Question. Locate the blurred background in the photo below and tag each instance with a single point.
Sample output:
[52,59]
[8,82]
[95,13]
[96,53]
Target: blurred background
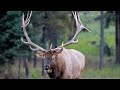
[101,46]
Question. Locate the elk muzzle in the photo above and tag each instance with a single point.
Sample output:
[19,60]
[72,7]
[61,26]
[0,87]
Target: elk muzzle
[47,68]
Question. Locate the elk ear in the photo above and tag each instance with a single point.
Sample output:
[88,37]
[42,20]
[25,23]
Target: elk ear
[39,54]
[58,50]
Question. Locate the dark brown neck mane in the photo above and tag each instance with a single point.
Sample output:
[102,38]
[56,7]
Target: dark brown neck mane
[57,69]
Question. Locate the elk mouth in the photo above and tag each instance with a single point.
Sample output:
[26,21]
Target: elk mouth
[49,71]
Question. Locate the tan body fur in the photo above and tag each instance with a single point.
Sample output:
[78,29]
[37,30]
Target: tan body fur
[71,63]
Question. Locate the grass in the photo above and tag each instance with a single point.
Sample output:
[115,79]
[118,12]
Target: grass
[36,73]
[108,72]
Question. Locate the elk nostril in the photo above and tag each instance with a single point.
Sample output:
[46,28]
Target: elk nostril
[46,67]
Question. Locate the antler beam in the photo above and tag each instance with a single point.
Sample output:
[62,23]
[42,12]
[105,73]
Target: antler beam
[29,42]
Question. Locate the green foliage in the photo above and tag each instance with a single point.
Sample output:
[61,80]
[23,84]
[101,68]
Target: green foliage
[10,34]
[56,22]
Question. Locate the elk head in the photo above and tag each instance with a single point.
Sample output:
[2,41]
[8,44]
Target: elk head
[50,56]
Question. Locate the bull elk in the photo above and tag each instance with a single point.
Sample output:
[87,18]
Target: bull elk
[60,63]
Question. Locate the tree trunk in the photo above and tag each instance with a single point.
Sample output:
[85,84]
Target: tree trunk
[53,37]
[117,37]
[43,41]
[101,40]
[26,69]
[2,73]
[19,74]
[10,71]
[35,61]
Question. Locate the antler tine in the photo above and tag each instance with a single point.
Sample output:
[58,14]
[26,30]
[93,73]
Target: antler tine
[27,16]
[79,20]
[75,16]
[50,46]
[33,49]
[78,17]
[27,21]
[24,29]
[29,42]
[25,42]
[58,48]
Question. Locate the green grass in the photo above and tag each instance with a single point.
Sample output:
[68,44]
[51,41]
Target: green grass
[108,72]
[36,73]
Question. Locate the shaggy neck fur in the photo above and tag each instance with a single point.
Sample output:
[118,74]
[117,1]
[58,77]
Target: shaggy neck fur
[58,68]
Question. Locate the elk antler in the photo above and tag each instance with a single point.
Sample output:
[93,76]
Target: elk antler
[79,28]
[29,42]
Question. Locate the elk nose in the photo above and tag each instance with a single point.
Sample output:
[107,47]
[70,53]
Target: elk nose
[46,67]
